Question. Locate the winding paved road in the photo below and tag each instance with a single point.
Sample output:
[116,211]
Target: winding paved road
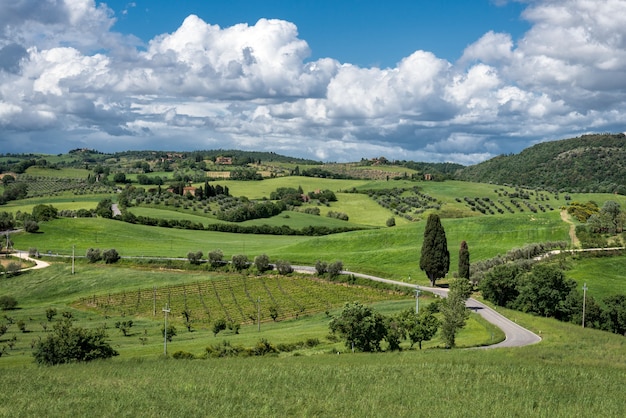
[516,335]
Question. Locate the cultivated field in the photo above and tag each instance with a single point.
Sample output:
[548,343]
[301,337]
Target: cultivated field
[572,372]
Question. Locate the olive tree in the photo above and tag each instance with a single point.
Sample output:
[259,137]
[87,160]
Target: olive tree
[362,327]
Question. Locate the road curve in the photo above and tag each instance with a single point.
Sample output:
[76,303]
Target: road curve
[516,335]
[39,264]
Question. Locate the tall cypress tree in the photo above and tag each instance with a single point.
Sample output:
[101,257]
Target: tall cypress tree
[435,259]
[464,261]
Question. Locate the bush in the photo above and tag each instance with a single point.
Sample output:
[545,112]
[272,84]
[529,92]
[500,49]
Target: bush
[110,256]
[70,344]
[262,263]
[93,255]
[219,325]
[391,222]
[334,269]
[8,303]
[194,258]
[240,262]
[31,226]
[283,267]
[171,332]
[183,355]
[216,258]
[321,267]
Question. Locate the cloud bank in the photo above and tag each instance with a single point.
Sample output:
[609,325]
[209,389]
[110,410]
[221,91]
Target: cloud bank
[68,80]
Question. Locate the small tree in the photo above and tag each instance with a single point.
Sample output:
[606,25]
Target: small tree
[13,268]
[50,314]
[216,258]
[464,261]
[104,208]
[8,303]
[273,309]
[186,313]
[335,269]
[194,257]
[361,326]
[454,311]
[435,257]
[420,327]
[21,325]
[284,267]
[69,344]
[219,325]
[262,263]
[93,255]
[110,256]
[391,222]
[171,332]
[240,262]
[31,226]
[124,326]
[321,267]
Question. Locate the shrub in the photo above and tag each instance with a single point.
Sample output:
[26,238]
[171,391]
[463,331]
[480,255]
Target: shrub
[13,268]
[262,263]
[183,355]
[334,269]
[216,258]
[111,256]
[171,332]
[70,344]
[93,255]
[391,222]
[219,325]
[262,348]
[50,314]
[240,262]
[31,226]
[284,267]
[321,267]
[224,349]
[8,303]
[194,258]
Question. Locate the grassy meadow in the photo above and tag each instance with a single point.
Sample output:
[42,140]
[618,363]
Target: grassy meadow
[572,372]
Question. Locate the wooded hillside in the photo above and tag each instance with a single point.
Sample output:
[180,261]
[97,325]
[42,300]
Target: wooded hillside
[590,163]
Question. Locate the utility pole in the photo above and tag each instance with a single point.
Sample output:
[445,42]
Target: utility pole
[166,311]
[584,301]
[417,300]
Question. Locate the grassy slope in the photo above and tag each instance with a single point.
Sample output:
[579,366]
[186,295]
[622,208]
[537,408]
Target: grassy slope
[604,276]
[572,372]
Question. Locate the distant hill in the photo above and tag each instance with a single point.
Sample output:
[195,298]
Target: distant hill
[590,163]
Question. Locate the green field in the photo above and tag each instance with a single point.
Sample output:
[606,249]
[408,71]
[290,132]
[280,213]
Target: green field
[572,372]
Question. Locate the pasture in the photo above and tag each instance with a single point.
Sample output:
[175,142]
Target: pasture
[572,372]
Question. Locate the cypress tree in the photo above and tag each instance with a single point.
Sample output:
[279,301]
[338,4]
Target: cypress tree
[464,261]
[435,259]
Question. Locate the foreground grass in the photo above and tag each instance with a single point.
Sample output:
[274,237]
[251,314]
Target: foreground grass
[573,372]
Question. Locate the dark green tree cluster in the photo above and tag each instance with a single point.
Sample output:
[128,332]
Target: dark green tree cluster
[545,291]
[363,328]
[69,343]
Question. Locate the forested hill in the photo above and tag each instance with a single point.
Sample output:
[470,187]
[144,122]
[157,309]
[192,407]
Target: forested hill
[590,163]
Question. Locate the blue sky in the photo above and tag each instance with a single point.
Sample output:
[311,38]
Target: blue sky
[457,81]
[362,32]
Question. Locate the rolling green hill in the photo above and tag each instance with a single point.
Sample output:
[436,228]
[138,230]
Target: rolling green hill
[590,163]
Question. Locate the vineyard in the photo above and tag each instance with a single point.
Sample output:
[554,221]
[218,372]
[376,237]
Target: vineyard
[53,186]
[235,299]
